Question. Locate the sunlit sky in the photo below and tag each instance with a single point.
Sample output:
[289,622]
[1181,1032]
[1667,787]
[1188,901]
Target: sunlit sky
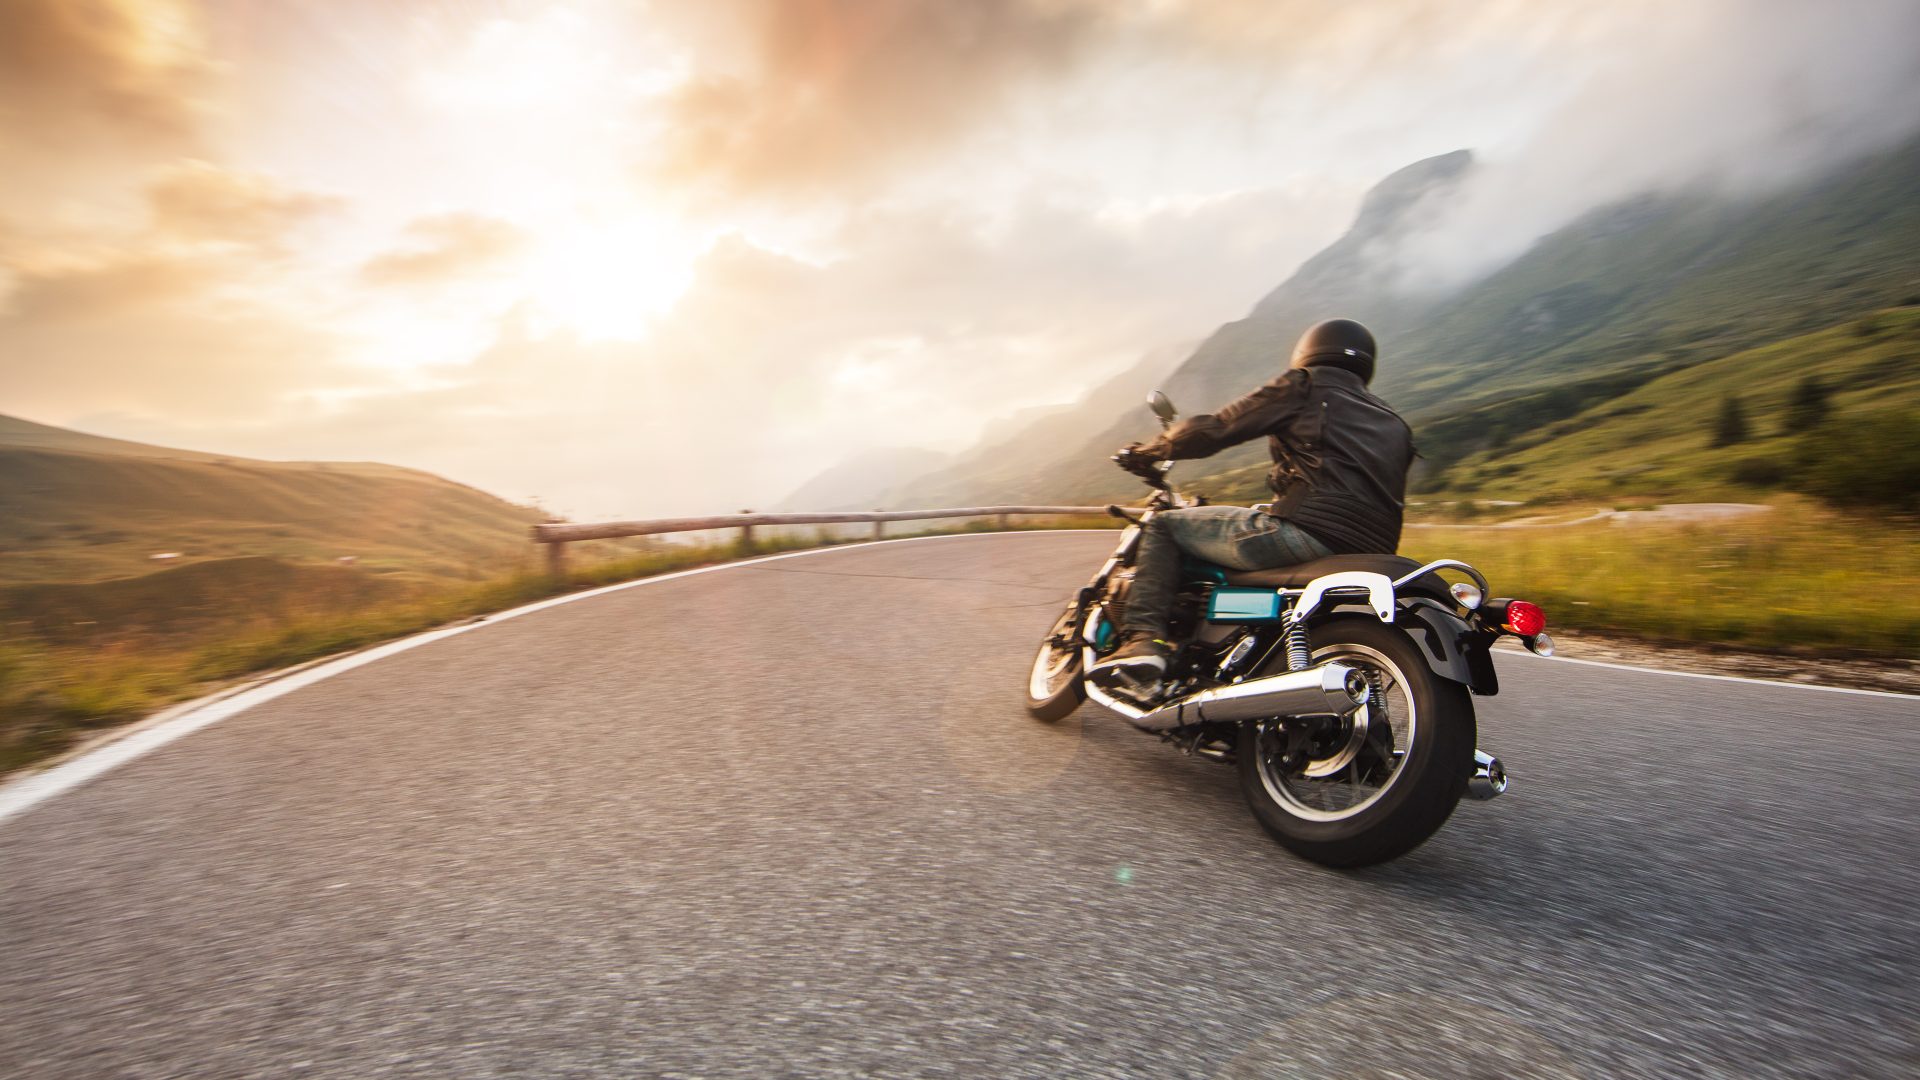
[635,258]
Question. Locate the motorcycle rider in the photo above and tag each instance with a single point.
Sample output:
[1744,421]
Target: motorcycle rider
[1339,476]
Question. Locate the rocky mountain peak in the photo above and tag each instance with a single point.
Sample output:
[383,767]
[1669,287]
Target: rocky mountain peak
[1386,205]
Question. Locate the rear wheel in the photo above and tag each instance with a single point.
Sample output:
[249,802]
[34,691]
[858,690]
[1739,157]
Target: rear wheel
[1372,785]
[1053,686]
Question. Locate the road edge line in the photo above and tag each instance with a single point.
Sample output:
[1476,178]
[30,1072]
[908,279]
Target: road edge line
[22,793]
[1717,678]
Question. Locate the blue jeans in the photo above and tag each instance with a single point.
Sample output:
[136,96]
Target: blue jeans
[1230,536]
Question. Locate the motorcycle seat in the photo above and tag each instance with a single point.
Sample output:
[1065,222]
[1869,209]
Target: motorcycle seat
[1297,576]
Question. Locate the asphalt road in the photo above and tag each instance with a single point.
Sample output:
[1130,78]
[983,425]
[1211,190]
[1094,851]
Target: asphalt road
[790,820]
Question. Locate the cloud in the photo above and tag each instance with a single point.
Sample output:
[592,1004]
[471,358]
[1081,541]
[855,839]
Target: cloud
[85,83]
[814,97]
[154,336]
[836,99]
[445,246]
[815,94]
[52,295]
[1730,96]
[180,318]
[198,201]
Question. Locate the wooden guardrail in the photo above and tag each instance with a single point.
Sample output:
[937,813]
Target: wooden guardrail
[557,535]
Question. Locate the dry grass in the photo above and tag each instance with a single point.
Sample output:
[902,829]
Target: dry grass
[51,696]
[1800,578]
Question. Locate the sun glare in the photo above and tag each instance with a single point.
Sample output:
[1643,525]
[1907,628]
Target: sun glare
[536,104]
[607,282]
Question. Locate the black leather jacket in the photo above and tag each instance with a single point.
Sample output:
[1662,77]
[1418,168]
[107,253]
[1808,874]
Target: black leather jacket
[1340,455]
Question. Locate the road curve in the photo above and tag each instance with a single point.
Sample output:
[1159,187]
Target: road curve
[790,819]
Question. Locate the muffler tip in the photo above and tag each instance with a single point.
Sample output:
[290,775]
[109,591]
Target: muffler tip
[1356,686]
[1489,779]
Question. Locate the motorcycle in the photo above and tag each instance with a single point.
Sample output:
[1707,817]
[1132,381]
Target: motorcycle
[1341,689]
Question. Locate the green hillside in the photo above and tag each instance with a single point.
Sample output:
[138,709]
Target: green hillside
[78,508]
[1659,440]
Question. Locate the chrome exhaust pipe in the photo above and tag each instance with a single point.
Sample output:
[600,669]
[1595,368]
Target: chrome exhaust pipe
[1332,687]
[1488,778]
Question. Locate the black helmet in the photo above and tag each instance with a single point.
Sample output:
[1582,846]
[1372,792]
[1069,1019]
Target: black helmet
[1340,343]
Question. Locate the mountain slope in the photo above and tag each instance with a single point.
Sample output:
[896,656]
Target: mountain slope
[1066,457]
[1659,439]
[77,507]
[1001,469]
[856,483]
[1355,278]
[1624,295]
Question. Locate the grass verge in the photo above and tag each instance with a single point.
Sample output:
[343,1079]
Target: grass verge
[1797,579]
[51,697]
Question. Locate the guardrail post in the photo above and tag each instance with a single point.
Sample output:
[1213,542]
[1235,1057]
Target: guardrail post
[746,535]
[556,551]
[1003,522]
[879,527]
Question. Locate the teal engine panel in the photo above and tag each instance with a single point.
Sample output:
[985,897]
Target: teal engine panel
[1229,604]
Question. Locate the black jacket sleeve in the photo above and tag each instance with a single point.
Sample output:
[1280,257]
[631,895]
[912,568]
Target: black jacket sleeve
[1249,417]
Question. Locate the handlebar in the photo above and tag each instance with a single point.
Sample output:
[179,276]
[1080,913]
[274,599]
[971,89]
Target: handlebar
[1164,496]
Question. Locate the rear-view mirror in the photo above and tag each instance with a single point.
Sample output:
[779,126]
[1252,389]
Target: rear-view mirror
[1162,407]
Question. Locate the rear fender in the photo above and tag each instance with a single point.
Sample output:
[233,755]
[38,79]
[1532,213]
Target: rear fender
[1453,648]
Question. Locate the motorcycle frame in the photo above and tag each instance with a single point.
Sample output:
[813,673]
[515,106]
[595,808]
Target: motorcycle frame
[1455,648]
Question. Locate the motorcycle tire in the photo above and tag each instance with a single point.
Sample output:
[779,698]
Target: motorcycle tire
[1418,797]
[1054,686]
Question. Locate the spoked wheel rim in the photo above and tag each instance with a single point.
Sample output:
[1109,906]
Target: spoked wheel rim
[1054,665]
[1344,767]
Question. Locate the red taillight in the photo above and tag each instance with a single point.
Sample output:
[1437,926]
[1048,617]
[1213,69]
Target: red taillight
[1525,619]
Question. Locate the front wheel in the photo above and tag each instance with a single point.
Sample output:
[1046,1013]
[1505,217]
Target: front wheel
[1054,688]
[1372,785]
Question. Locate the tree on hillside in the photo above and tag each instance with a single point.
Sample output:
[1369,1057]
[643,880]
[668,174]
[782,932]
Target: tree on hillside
[1808,406]
[1869,462]
[1731,427]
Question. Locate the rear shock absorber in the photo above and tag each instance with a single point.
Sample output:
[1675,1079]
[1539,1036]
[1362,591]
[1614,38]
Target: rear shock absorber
[1376,694]
[1299,653]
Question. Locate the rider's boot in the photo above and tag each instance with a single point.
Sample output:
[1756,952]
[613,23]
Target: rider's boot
[1145,649]
[1137,664]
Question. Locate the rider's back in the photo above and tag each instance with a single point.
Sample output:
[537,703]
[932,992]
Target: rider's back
[1340,462]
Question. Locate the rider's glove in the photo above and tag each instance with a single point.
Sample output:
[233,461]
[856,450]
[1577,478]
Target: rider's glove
[1137,460]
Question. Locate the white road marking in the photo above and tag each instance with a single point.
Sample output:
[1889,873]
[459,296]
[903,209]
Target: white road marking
[1717,678]
[23,793]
